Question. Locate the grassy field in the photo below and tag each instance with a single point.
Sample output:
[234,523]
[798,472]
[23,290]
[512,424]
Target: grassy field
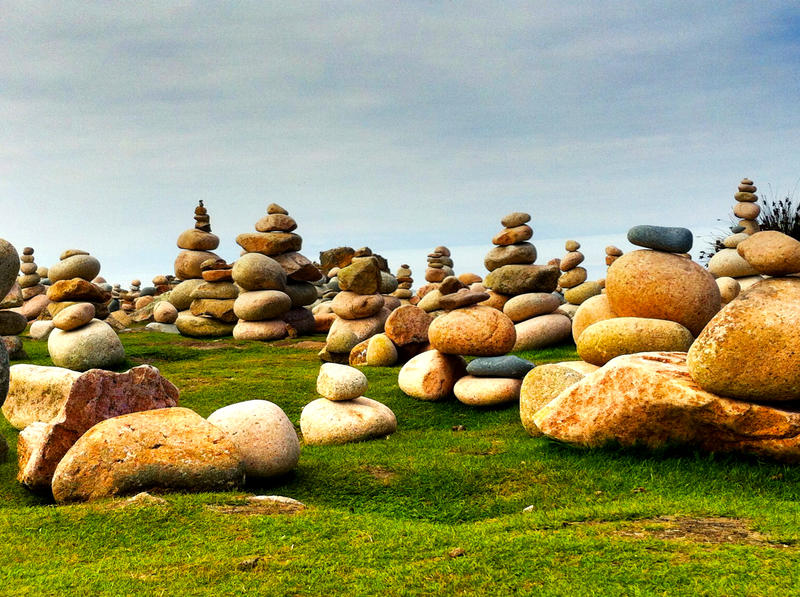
[458,501]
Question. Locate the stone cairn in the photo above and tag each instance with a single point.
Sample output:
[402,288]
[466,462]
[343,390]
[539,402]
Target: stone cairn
[331,261]
[643,309]
[612,254]
[80,340]
[404,283]
[276,280]
[196,244]
[31,283]
[359,307]
[128,298]
[732,271]
[440,265]
[12,319]
[522,290]
[214,298]
[344,414]
[574,286]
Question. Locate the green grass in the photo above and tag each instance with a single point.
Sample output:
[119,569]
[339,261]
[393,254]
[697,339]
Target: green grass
[385,516]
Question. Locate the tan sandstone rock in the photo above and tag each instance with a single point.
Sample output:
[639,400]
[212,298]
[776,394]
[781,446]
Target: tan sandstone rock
[475,331]
[604,340]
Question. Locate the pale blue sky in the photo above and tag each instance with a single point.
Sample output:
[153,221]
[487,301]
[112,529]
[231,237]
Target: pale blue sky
[388,124]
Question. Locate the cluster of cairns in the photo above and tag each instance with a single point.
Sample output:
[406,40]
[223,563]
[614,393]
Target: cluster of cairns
[344,414]
[732,271]
[572,282]
[733,389]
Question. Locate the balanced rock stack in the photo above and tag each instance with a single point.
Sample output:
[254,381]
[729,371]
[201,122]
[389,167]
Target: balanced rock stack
[359,307]
[573,283]
[656,299]
[197,244]
[210,311]
[343,414]
[404,283]
[71,282]
[732,271]
[262,301]
[274,238]
[162,283]
[128,297]
[612,254]
[12,322]
[30,281]
[440,265]
[9,266]
[80,342]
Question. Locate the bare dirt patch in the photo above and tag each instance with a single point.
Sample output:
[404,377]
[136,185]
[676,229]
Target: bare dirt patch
[382,474]
[698,530]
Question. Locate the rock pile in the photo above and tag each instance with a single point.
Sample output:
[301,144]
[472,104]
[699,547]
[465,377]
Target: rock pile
[612,254]
[492,380]
[197,245]
[404,283]
[343,414]
[71,282]
[32,287]
[732,271]
[80,342]
[12,322]
[440,265]
[262,302]
[573,283]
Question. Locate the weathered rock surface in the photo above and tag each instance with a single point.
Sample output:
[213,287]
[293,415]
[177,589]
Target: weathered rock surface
[255,271]
[325,422]
[351,305]
[651,400]
[518,279]
[169,449]
[540,386]
[771,252]
[202,327]
[340,382]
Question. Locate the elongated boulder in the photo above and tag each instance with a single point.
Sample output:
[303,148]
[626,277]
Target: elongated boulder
[202,327]
[751,349]
[487,391]
[350,305]
[657,285]
[57,406]
[476,331]
[263,434]
[604,340]
[518,279]
[651,400]
[325,422]
[542,331]
[431,375]
[170,449]
[530,304]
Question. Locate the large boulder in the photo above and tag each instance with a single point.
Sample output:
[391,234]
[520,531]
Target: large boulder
[202,327]
[258,305]
[263,434]
[541,385]
[431,375]
[170,449]
[542,331]
[751,349]
[56,406]
[92,346]
[592,310]
[475,331]
[651,400]
[771,252]
[657,285]
[604,340]
[325,422]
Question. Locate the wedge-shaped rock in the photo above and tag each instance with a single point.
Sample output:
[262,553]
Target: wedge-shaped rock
[649,399]
[170,449]
[56,406]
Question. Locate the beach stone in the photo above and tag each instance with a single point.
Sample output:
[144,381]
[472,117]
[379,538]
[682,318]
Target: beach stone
[202,327]
[519,279]
[165,312]
[187,264]
[340,382]
[40,330]
[255,271]
[657,285]
[335,258]
[72,317]
[12,323]
[662,238]
[650,400]
[325,422]
[142,302]
[468,278]
[572,245]
[81,266]
[573,277]
[475,331]
[487,391]
[571,260]
[274,208]
[77,289]
[221,309]
[301,293]
[732,241]
[582,292]
[512,236]
[92,346]
[495,300]
[518,254]
[462,298]
[298,267]
[540,386]
[258,305]
[9,266]
[380,351]
[749,226]
[751,349]
[170,449]
[263,331]
[604,340]
[727,263]
[746,211]
[13,298]
[269,243]
[197,240]
[55,406]
[745,196]
[163,328]
[431,301]
[346,333]
[407,324]
[517,218]
[263,434]
[182,295]
[542,331]
[771,252]
[729,289]
[431,375]
[504,366]
[594,309]
[351,305]
[388,283]
[276,223]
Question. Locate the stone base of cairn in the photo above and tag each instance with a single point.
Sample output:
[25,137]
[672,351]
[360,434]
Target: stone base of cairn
[643,309]
[732,271]
[71,282]
[344,414]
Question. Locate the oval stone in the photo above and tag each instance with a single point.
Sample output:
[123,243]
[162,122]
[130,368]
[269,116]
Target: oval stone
[542,331]
[92,346]
[381,352]
[9,266]
[505,366]
[518,279]
[188,264]
[74,316]
[475,331]
[202,327]
[257,305]
[408,324]
[350,305]
[263,331]
[254,271]
[592,310]
[771,252]
[518,254]
[431,375]
[181,296]
[85,267]
[604,340]
[662,238]
[727,263]
[197,240]
[324,422]
[340,382]
[487,391]
[165,312]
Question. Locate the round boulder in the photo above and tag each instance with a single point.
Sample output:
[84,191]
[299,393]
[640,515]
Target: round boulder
[592,310]
[92,346]
[350,305]
[476,331]
[74,316]
[340,382]
[255,271]
[165,312]
[542,331]
[487,391]
[325,422]
[257,305]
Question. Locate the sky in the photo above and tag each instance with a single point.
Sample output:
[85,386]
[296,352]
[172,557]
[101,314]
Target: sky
[395,125]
